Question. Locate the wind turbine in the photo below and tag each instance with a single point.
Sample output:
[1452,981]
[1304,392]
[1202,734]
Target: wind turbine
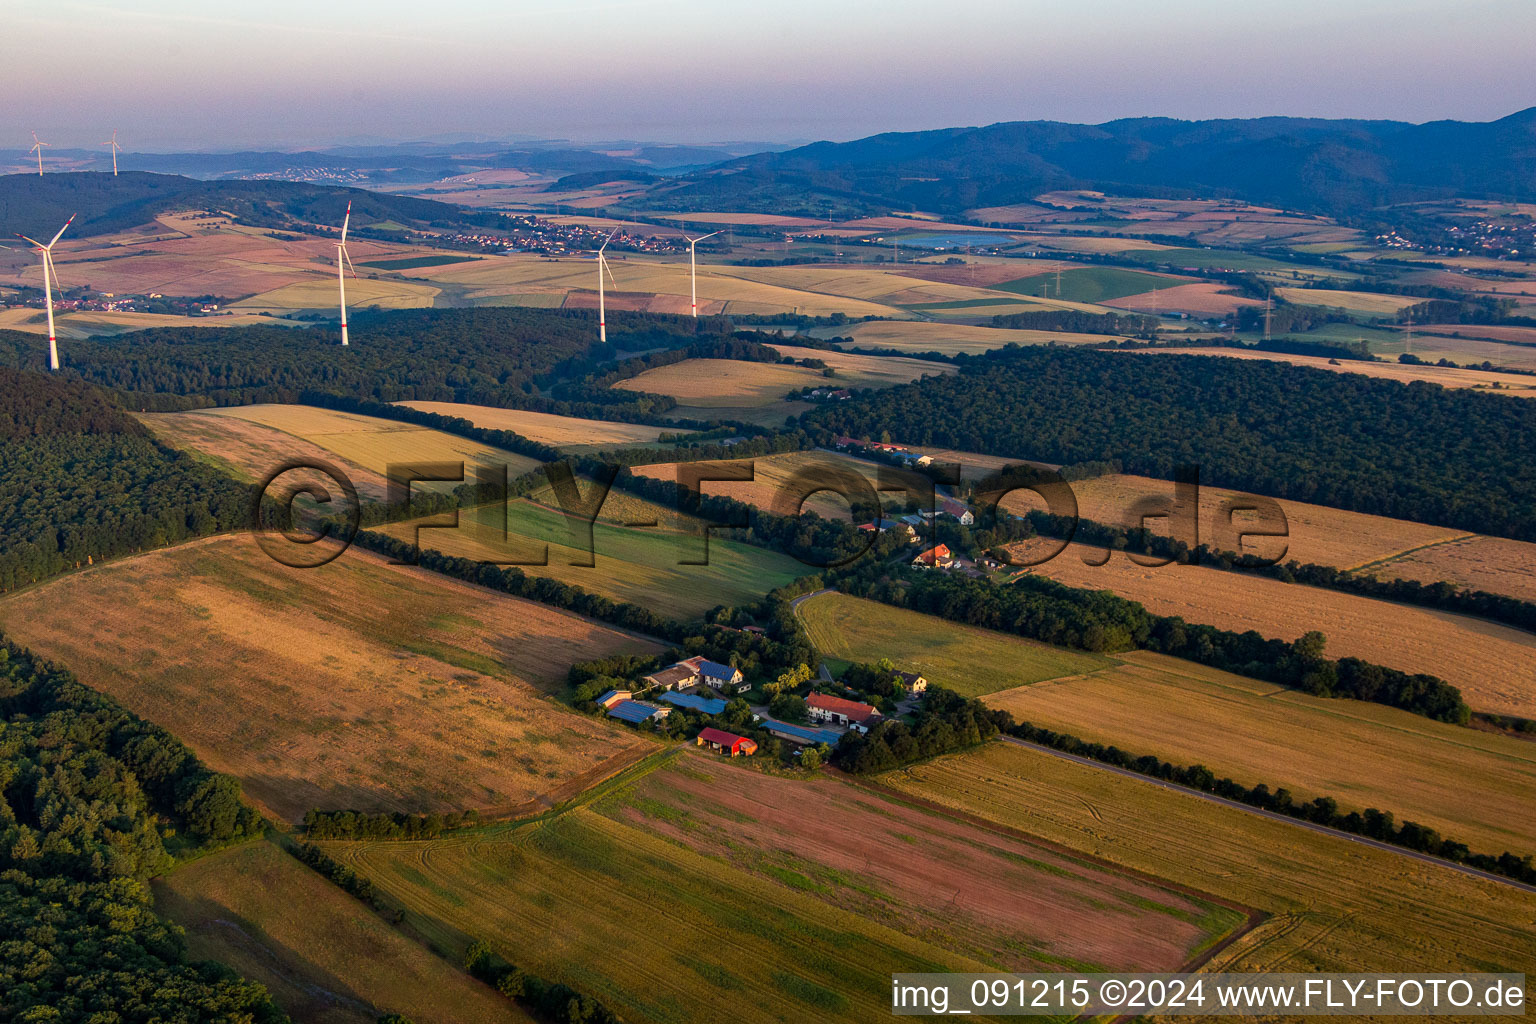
[693,269]
[341,277]
[37,147]
[115,148]
[49,276]
[602,265]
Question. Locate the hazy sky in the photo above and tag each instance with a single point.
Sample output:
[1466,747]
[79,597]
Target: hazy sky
[178,73]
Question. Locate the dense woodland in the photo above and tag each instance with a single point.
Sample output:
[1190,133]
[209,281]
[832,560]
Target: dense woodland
[93,801]
[82,480]
[1414,451]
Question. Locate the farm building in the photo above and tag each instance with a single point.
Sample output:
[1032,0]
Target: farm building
[956,510]
[882,525]
[913,682]
[823,707]
[637,711]
[612,697]
[693,702]
[672,677]
[934,558]
[724,742]
[800,735]
[722,677]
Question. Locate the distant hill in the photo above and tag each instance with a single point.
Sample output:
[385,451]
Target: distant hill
[1315,165]
[38,205]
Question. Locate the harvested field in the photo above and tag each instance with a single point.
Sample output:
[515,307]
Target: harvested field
[249,451]
[950,339]
[1365,303]
[1493,564]
[325,957]
[1184,298]
[356,685]
[1092,284]
[1512,384]
[806,933]
[1364,910]
[568,433]
[977,274]
[723,384]
[375,443]
[962,658]
[1364,755]
[1464,351]
[94,324]
[643,565]
[1490,663]
[1510,335]
[361,293]
[858,371]
[773,475]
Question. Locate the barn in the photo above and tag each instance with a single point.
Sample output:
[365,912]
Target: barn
[723,742]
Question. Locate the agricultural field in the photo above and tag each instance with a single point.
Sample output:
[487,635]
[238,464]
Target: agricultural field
[1493,564]
[320,293]
[355,685]
[1466,350]
[772,477]
[805,919]
[1091,284]
[1363,303]
[1334,905]
[95,324]
[568,433]
[1511,384]
[962,658]
[860,371]
[1490,663]
[951,339]
[1362,754]
[248,451]
[375,443]
[325,957]
[1200,299]
[642,565]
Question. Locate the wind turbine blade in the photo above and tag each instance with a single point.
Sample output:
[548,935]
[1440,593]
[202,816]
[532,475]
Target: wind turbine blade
[346,256]
[63,229]
[346,221]
[48,262]
[701,238]
[34,241]
[610,274]
[609,239]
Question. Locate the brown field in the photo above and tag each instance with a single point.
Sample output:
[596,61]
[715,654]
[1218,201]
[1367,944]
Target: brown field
[1493,564]
[858,371]
[721,384]
[1091,244]
[1512,384]
[568,433]
[249,451]
[322,954]
[1184,298]
[94,324]
[977,274]
[376,443]
[1333,905]
[1362,754]
[1464,351]
[1513,335]
[1490,663]
[1368,303]
[769,488]
[356,685]
[927,336]
[319,293]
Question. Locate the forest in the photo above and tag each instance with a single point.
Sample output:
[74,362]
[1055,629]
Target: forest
[81,480]
[93,801]
[1414,451]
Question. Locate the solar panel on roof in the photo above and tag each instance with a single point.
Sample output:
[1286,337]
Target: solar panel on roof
[631,711]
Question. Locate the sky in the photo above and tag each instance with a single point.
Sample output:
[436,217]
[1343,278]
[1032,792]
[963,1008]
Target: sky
[174,74]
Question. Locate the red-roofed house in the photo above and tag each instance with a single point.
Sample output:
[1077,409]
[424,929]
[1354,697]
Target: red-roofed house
[934,558]
[724,742]
[821,707]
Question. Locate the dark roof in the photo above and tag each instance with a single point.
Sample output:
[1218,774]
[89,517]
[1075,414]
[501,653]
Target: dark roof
[708,705]
[800,732]
[715,670]
[632,711]
[672,675]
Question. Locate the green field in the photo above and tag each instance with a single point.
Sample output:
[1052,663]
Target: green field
[1361,754]
[324,956]
[417,262]
[637,564]
[1334,905]
[1089,284]
[705,884]
[960,658]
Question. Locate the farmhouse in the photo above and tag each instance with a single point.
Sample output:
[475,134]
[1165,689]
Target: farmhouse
[612,697]
[637,711]
[934,558]
[693,702]
[800,735]
[821,707]
[672,677]
[723,742]
[722,677]
[913,682]
[957,510]
[882,525]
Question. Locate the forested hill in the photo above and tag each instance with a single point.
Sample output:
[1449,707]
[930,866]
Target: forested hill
[38,205]
[482,356]
[1415,451]
[1326,166]
[81,480]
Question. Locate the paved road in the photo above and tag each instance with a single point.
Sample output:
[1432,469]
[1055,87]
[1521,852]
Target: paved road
[797,602]
[1299,823]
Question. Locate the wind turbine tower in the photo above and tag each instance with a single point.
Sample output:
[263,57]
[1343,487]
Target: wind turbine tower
[115,149]
[602,268]
[341,277]
[693,269]
[37,147]
[49,277]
